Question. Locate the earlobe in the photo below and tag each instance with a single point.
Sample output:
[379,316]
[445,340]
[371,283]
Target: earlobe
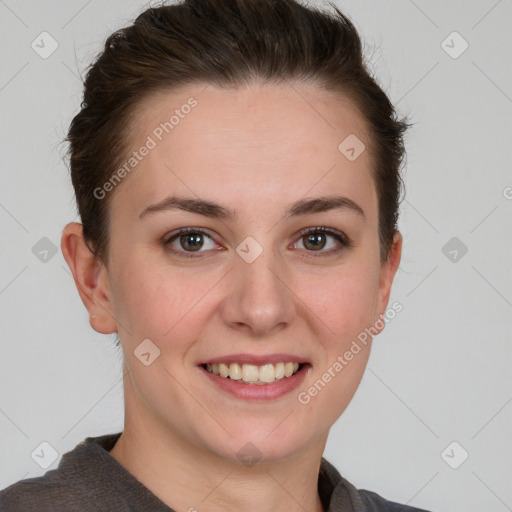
[90,278]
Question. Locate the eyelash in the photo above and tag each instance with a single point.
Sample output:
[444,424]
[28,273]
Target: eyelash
[342,239]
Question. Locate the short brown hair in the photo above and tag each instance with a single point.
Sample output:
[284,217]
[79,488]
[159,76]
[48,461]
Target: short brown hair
[226,43]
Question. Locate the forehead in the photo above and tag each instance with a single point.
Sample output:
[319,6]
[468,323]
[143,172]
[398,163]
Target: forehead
[247,144]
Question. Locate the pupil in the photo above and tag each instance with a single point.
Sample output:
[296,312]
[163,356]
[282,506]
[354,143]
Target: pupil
[193,241]
[314,239]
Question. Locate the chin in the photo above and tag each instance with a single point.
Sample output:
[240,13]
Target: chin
[267,443]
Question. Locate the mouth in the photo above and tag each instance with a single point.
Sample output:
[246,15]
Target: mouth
[259,375]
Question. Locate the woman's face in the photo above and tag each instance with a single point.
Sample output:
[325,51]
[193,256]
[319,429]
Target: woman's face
[251,287]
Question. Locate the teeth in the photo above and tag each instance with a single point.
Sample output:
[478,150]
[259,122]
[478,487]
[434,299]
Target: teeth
[279,370]
[252,374]
[223,370]
[267,373]
[235,372]
[249,373]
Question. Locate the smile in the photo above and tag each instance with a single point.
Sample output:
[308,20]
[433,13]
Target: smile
[253,374]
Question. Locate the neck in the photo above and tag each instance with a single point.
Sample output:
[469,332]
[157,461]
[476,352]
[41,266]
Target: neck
[188,478]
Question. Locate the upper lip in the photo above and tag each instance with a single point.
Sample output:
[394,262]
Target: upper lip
[257,360]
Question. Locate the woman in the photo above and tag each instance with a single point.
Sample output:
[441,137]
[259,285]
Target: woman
[236,171]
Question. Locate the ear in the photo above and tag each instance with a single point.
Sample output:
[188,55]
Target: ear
[90,277]
[387,274]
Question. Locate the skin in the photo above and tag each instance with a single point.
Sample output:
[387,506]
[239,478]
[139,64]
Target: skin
[255,150]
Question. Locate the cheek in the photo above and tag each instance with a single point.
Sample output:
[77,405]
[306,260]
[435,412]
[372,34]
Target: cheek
[154,301]
[345,300]
[141,298]
[349,309]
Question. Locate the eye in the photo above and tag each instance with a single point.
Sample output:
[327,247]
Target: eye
[315,239]
[188,241]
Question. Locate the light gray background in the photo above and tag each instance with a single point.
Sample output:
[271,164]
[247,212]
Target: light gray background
[441,370]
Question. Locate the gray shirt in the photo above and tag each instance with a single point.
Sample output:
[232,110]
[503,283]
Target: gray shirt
[89,479]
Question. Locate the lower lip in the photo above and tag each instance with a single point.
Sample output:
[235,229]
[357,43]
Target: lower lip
[259,391]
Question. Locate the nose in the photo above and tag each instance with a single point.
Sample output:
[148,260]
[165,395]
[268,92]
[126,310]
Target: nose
[259,299]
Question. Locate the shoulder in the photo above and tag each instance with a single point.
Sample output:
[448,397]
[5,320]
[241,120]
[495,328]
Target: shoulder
[41,493]
[73,485]
[62,489]
[376,503]
[341,495]
[87,479]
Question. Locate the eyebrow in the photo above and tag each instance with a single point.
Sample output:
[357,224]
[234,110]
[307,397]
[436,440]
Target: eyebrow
[216,211]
